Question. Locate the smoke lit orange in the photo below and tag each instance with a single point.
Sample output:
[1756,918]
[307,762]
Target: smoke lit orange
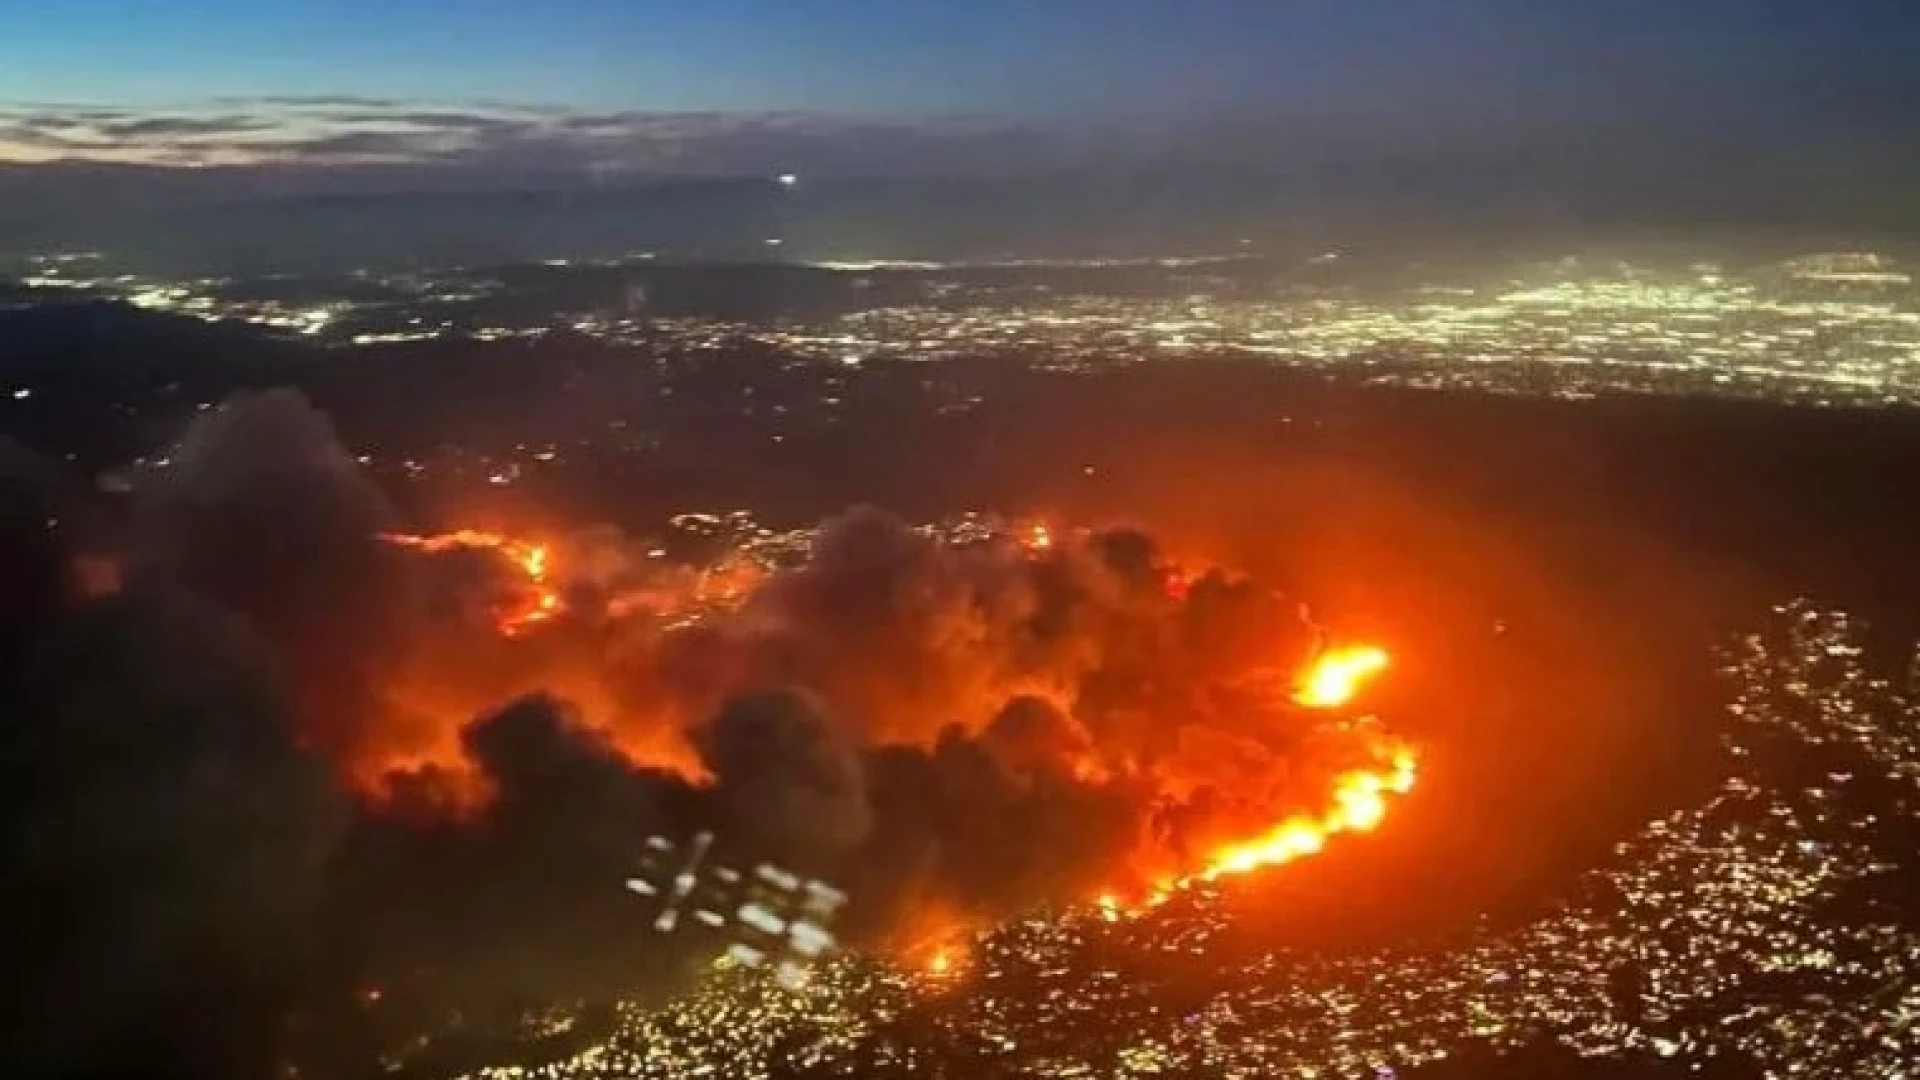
[1359,798]
[540,602]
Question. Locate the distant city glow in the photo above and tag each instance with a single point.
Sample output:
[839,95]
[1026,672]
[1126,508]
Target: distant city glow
[1832,328]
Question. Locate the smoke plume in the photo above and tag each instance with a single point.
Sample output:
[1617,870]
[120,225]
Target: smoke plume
[964,725]
[164,840]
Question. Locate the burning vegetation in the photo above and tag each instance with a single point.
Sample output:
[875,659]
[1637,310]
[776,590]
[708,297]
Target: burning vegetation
[537,603]
[1034,725]
[949,723]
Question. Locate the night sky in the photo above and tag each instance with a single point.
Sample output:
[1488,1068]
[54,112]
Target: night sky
[690,85]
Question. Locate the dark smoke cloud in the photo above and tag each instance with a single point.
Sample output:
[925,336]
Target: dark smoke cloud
[970,729]
[262,511]
[163,845]
[166,839]
[522,900]
[30,551]
[902,635]
[787,781]
[898,634]
[960,830]
[1033,737]
[1030,725]
[1039,687]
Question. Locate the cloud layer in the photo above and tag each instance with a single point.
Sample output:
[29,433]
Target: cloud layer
[352,131]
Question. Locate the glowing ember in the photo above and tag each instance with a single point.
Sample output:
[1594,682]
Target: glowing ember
[545,602]
[1338,674]
[940,963]
[537,604]
[94,577]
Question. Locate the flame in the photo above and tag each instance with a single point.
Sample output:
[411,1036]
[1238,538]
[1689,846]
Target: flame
[1357,803]
[1358,799]
[539,603]
[940,963]
[1336,675]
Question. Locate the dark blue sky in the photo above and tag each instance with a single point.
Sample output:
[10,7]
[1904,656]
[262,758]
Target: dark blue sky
[1123,65]
[1002,56]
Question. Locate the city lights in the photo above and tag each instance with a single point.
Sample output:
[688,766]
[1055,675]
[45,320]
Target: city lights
[1836,328]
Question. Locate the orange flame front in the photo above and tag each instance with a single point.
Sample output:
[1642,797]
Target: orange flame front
[1336,675]
[1358,804]
[539,603]
[1359,799]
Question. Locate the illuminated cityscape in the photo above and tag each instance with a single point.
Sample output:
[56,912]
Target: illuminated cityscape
[1742,929]
[1825,329]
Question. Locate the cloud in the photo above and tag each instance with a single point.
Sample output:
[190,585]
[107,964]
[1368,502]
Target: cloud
[298,101]
[165,126]
[357,147]
[426,119]
[347,131]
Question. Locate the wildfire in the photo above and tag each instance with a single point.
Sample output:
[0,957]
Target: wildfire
[1359,799]
[540,601]
[1358,802]
[940,963]
[1337,675]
